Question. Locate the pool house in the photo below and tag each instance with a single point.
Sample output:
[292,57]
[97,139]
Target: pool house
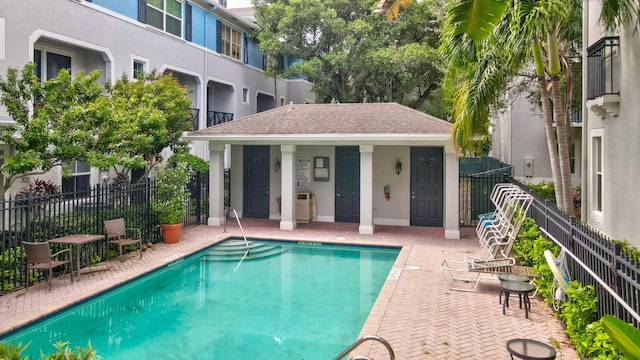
[371,164]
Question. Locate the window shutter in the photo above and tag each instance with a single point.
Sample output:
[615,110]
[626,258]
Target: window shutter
[219,36]
[245,39]
[187,22]
[142,11]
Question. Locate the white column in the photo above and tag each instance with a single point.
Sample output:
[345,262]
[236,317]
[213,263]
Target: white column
[288,194]
[451,194]
[216,185]
[366,189]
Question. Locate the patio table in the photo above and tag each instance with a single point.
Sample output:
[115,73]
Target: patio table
[529,349]
[77,240]
[522,289]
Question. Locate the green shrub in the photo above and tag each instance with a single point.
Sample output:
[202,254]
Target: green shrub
[11,351]
[63,352]
[12,263]
[578,314]
[546,189]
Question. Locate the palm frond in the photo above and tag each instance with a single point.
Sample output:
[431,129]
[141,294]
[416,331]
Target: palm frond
[616,13]
[476,18]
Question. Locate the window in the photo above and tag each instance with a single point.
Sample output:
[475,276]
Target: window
[245,95]
[597,170]
[231,40]
[138,68]
[79,181]
[47,67]
[165,15]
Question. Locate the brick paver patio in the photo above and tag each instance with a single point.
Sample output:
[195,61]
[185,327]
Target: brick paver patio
[415,311]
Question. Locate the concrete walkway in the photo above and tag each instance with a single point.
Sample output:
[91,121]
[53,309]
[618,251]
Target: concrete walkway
[415,311]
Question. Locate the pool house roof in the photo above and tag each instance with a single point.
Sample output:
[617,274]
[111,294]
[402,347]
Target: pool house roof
[373,123]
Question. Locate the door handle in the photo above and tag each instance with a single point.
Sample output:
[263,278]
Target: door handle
[337,194]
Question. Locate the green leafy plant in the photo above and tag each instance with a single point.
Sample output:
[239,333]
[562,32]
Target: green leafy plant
[588,336]
[172,195]
[11,259]
[578,313]
[595,343]
[64,352]
[546,189]
[12,351]
[625,336]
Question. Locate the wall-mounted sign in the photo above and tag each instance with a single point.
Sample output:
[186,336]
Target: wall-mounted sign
[321,168]
[303,172]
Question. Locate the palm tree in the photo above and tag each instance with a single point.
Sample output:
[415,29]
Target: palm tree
[487,43]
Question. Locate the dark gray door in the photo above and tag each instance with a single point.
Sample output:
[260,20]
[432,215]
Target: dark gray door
[256,181]
[347,184]
[426,186]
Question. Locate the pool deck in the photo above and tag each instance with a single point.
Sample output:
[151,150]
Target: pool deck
[415,311]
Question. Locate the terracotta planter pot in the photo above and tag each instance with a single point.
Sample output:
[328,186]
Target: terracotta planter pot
[171,232]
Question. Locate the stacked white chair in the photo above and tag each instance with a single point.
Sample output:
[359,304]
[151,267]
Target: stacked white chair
[497,232]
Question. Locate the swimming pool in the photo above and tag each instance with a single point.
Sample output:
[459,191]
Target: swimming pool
[285,301]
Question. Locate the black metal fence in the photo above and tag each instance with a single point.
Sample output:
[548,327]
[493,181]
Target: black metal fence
[478,176]
[40,218]
[602,256]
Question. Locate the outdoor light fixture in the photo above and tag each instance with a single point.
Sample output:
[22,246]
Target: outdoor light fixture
[398,166]
[276,165]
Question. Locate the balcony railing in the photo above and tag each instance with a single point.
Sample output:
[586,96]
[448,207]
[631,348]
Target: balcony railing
[194,119]
[603,68]
[574,115]
[218,117]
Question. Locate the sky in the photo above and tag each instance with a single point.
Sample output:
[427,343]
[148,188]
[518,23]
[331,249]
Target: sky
[238,3]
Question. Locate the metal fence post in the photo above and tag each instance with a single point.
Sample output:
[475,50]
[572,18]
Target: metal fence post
[615,267]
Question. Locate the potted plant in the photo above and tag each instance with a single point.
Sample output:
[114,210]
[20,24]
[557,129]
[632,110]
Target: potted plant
[171,199]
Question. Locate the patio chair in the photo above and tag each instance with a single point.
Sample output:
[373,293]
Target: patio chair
[39,257]
[560,284]
[516,210]
[119,234]
[500,197]
[471,270]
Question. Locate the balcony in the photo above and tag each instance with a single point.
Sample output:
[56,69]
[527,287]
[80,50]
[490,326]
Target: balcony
[194,118]
[574,116]
[218,117]
[603,76]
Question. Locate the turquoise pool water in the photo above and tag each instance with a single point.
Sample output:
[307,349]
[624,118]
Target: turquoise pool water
[285,301]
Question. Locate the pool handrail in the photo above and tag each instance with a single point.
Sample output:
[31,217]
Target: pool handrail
[246,253]
[357,343]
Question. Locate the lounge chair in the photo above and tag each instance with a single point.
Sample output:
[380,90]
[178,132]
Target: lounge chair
[119,234]
[466,275]
[39,257]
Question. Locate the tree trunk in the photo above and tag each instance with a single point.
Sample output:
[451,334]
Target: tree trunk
[564,187]
[548,122]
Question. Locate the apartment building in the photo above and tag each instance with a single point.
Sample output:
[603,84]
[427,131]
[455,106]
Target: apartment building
[610,199]
[204,45]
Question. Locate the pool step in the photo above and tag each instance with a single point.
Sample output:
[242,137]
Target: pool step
[234,250]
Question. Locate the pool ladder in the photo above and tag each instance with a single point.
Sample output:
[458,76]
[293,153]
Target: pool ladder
[241,231]
[384,342]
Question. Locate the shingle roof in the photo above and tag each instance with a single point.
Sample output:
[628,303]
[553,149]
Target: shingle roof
[373,120]
[367,118]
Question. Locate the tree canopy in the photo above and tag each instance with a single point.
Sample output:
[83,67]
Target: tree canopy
[353,55]
[122,126]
